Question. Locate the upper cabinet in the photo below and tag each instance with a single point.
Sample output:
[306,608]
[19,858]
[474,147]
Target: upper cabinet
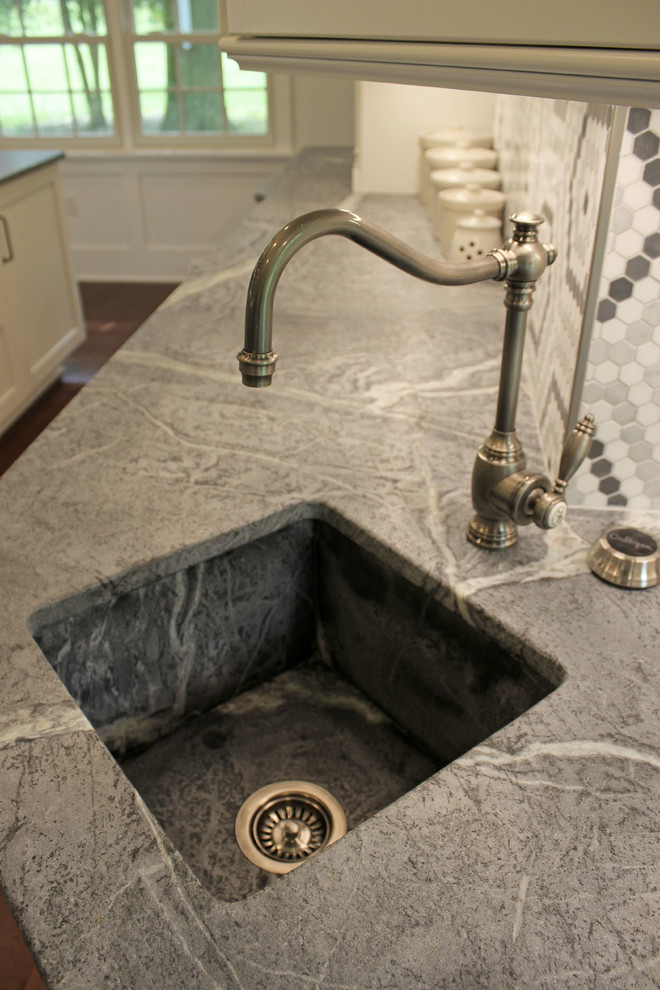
[567,49]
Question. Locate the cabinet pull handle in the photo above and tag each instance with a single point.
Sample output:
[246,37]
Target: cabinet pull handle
[8,257]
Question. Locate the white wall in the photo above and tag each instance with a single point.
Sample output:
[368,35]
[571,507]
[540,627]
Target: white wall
[389,119]
[137,216]
[323,111]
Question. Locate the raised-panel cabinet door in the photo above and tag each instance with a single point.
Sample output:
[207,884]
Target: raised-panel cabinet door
[40,314]
[45,306]
[13,379]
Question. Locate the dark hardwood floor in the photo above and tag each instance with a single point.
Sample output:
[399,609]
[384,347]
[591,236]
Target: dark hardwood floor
[113,311]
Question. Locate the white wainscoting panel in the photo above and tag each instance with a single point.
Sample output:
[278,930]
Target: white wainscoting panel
[147,217]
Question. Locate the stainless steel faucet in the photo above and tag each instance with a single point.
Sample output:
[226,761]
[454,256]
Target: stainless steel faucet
[504,494]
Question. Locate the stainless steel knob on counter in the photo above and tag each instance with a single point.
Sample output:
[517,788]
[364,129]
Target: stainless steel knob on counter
[626,557]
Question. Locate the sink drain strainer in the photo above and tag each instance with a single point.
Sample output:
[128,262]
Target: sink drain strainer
[283,824]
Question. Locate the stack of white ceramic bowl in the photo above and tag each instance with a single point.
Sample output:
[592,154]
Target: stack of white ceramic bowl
[455,202]
[463,177]
[458,156]
[450,137]
[457,178]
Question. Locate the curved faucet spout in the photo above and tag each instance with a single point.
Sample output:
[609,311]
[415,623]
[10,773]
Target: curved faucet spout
[257,359]
[504,493]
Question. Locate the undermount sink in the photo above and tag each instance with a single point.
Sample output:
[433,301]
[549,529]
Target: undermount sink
[299,655]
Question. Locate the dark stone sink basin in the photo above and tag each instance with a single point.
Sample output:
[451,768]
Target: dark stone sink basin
[299,655]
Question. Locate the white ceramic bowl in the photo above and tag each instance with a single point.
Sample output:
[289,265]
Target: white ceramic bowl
[474,236]
[455,135]
[452,203]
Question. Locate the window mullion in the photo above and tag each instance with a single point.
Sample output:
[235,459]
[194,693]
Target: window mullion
[74,118]
[122,74]
[176,38]
[52,39]
[223,108]
[179,82]
[35,128]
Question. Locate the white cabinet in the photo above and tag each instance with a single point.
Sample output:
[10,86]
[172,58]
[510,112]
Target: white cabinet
[40,316]
[571,49]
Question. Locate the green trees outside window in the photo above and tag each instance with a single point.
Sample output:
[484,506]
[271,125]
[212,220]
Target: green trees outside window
[55,78]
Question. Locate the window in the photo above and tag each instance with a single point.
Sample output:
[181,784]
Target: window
[88,72]
[54,77]
[185,85]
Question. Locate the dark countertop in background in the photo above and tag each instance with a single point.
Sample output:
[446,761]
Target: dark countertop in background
[15,163]
[532,861]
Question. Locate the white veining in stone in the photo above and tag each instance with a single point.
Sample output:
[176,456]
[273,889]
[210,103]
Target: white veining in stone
[41,721]
[520,905]
[564,557]
[578,749]
[203,283]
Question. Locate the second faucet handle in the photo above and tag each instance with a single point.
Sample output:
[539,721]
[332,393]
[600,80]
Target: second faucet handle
[549,508]
[575,450]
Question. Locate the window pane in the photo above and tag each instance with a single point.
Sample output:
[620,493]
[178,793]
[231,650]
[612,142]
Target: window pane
[247,112]
[203,112]
[85,16]
[90,84]
[88,67]
[62,88]
[42,18]
[46,70]
[160,113]
[235,78]
[10,21]
[53,113]
[183,16]
[93,112]
[201,15]
[200,65]
[16,116]
[55,72]
[181,90]
[59,17]
[12,72]
[154,64]
[154,15]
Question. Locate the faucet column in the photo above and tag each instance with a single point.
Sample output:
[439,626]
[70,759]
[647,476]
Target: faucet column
[518,302]
[502,455]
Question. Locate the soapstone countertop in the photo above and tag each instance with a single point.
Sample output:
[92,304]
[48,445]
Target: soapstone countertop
[532,861]
[15,163]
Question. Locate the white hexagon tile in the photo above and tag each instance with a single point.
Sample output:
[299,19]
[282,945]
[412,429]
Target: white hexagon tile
[622,383]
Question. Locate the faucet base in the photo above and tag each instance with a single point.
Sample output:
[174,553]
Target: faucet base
[492,534]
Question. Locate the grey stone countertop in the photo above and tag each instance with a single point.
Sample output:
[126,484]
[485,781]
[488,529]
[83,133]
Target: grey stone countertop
[532,861]
[15,163]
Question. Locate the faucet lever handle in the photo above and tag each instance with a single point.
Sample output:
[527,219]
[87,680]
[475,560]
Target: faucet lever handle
[549,507]
[575,450]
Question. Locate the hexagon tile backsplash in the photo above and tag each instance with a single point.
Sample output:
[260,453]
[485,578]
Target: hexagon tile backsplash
[622,383]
